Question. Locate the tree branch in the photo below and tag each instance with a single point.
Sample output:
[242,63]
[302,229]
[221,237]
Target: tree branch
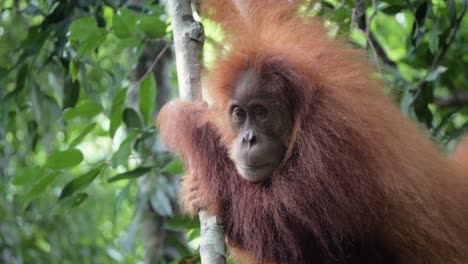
[188,42]
[364,25]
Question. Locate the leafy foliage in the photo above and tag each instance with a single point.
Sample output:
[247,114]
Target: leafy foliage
[77,143]
[70,127]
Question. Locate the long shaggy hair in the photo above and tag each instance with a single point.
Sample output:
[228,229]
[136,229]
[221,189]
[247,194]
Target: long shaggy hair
[359,183]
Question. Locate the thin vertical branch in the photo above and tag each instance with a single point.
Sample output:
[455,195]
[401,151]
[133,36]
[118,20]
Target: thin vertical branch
[188,43]
[368,25]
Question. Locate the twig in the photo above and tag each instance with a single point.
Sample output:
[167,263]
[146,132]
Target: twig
[369,21]
[150,68]
[358,16]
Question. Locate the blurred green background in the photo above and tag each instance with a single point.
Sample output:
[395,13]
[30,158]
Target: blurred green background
[83,177]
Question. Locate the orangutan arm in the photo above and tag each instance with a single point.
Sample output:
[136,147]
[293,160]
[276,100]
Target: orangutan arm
[184,131]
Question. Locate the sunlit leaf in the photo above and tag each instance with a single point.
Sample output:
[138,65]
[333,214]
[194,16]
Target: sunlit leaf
[91,43]
[86,110]
[174,167]
[147,98]
[82,29]
[152,27]
[86,35]
[80,182]
[138,172]
[64,159]
[74,69]
[194,233]
[125,24]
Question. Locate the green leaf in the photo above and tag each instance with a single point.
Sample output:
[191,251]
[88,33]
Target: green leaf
[82,135]
[120,157]
[422,12]
[26,175]
[85,34]
[174,167]
[80,182]
[86,110]
[74,69]
[71,93]
[433,37]
[69,202]
[194,233]
[39,187]
[147,98]
[132,119]
[117,110]
[125,24]
[82,29]
[152,27]
[64,159]
[138,172]
[91,43]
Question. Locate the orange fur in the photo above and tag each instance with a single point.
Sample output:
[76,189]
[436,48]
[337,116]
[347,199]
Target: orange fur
[410,197]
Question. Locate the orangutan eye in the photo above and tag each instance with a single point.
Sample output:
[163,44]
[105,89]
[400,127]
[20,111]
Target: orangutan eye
[260,112]
[239,113]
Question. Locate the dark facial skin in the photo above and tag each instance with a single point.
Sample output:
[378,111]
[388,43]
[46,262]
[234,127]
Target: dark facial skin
[260,123]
